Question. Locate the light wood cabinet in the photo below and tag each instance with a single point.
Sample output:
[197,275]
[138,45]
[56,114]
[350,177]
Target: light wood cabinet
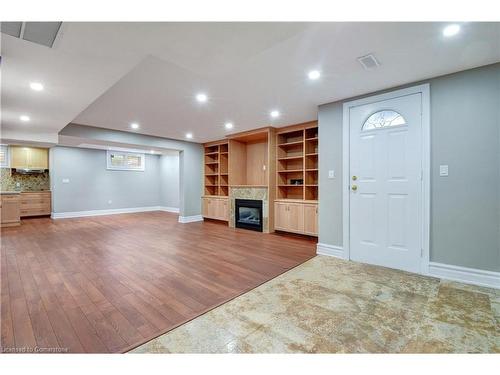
[281,216]
[10,211]
[35,203]
[29,157]
[311,219]
[215,208]
[296,217]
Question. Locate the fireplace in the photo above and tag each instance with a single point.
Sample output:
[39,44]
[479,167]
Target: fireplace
[248,214]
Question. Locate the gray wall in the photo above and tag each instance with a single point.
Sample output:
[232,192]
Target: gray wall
[465,134]
[169,180]
[91,185]
[190,159]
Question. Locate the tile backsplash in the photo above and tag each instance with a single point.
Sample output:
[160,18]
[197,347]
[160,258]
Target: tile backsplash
[28,182]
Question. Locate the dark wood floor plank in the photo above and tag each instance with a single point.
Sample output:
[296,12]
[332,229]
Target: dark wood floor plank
[108,283]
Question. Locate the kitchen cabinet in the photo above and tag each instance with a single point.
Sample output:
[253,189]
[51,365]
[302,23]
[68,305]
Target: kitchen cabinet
[29,157]
[296,217]
[10,211]
[215,208]
[35,203]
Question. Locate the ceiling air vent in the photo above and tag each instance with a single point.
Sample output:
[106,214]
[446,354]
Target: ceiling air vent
[43,33]
[368,62]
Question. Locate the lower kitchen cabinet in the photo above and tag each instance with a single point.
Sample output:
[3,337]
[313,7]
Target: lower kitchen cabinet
[215,208]
[296,217]
[9,208]
[35,203]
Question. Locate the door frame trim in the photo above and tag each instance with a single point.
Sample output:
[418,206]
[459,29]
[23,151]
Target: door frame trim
[424,90]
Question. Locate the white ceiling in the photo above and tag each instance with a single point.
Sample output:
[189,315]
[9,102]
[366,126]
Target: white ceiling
[112,74]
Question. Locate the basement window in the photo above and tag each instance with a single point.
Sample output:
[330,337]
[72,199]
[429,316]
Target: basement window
[4,156]
[125,161]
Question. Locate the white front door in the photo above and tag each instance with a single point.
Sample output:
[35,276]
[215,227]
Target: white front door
[386,182]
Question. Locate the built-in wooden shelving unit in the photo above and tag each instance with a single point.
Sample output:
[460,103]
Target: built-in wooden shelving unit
[216,169]
[297,162]
[284,161]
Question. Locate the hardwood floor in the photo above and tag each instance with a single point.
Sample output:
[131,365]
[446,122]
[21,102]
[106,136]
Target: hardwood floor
[111,283]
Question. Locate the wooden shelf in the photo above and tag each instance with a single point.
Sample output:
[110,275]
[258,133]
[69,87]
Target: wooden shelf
[297,161]
[216,164]
[290,144]
[292,157]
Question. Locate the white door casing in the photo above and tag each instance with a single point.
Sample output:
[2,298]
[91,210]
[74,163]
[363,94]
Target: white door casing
[386,217]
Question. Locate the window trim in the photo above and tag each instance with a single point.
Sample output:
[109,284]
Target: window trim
[111,167]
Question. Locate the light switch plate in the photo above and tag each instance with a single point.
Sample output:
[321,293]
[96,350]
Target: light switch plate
[65,180]
[331,174]
[443,170]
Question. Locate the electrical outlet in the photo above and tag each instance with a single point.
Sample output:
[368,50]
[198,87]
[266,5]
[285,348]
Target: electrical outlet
[263,167]
[18,184]
[110,201]
[65,180]
[331,174]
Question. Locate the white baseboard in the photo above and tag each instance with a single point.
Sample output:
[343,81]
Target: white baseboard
[329,250]
[115,211]
[465,275]
[190,219]
[169,209]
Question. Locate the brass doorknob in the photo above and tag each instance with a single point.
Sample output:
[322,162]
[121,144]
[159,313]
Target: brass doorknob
[354,178]
[354,187]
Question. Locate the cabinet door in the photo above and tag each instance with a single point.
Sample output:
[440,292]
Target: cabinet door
[295,217]
[10,209]
[19,157]
[223,213]
[311,219]
[38,158]
[212,208]
[280,216]
[204,206]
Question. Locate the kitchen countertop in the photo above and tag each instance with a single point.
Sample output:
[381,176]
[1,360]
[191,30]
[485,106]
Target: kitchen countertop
[23,191]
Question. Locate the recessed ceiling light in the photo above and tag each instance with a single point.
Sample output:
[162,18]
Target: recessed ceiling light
[314,75]
[202,98]
[189,135]
[275,114]
[24,118]
[228,125]
[152,151]
[134,125]
[451,30]
[36,86]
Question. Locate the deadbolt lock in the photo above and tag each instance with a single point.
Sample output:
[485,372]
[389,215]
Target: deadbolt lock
[354,178]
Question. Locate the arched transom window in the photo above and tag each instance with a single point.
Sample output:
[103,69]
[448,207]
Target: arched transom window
[384,119]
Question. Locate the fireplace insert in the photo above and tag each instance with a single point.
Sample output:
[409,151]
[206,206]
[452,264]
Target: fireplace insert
[248,214]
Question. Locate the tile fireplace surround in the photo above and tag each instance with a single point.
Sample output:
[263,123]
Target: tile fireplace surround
[258,193]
